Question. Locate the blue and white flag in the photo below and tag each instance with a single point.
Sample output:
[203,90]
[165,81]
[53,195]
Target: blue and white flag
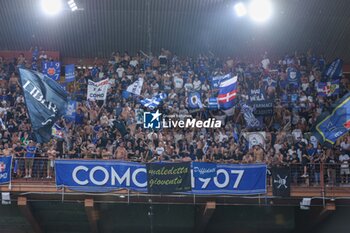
[5,169]
[194,100]
[46,102]
[57,131]
[332,125]
[328,88]
[52,69]
[227,93]
[334,70]
[71,110]
[249,117]
[136,87]
[154,102]
[213,103]
[294,76]
[270,82]
[69,71]
[216,80]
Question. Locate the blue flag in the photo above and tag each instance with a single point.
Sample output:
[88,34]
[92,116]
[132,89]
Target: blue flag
[70,76]
[334,70]
[71,110]
[328,88]
[46,102]
[52,69]
[227,93]
[332,125]
[216,80]
[5,169]
[57,131]
[154,102]
[194,100]
[294,76]
[213,103]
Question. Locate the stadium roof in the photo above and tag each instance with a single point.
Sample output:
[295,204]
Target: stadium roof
[186,27]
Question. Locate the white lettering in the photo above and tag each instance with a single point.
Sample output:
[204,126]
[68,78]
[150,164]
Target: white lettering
[134,177]
[226,180]
[125,177]
[92,178]
[75,178]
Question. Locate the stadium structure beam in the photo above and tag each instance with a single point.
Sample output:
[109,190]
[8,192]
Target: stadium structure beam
[92,214]
[204,216]
[26,211]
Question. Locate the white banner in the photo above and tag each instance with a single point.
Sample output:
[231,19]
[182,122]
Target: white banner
[255,138]
[136,87]
[97,90]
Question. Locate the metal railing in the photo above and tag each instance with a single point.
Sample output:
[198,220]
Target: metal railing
[301,175]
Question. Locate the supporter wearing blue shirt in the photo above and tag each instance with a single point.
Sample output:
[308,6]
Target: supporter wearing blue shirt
[29,158]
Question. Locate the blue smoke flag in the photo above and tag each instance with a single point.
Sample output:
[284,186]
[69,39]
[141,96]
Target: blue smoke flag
[328,88]
[332,125]
[69,73]
[334,70]
[154,102]
[71,110]
[52,69]
[227,93]
[194,100]
[5,169]
[46,102]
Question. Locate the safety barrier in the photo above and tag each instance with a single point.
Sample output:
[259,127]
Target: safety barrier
[310,175]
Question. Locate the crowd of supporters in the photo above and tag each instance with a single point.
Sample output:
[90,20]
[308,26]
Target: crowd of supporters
[113,129]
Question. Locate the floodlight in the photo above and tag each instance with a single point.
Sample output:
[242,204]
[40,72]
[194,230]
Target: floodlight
[240,9]
[260,10]
[51,7]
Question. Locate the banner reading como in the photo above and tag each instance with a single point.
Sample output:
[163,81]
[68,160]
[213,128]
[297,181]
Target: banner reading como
[106,176]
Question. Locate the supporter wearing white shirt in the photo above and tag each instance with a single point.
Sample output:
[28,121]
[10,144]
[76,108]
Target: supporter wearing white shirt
[134,62]
[197,84]
[178,82]
[188,85]
[120,71]
[344,167]
[265,62]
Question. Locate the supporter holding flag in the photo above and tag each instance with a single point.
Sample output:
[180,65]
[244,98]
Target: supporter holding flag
[227,95]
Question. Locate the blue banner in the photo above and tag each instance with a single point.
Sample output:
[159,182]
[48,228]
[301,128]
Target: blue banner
[5,169]
[332,125]
[71,110]
[52,69]
[69,73]
[104,176]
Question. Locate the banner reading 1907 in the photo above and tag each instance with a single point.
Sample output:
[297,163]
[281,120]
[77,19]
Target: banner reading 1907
[106,176]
